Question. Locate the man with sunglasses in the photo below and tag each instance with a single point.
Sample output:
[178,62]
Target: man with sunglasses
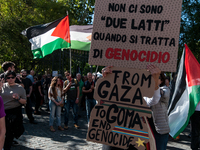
[8,65]
[71,88]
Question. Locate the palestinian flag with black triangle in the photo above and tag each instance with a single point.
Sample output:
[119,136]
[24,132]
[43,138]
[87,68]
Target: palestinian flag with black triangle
[186,94]
[48,37]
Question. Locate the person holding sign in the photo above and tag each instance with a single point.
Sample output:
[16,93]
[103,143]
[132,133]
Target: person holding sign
[158,104]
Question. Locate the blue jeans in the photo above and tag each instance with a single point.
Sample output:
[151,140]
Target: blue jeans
[90,103]
[161,140]
[72,103]
[54,109]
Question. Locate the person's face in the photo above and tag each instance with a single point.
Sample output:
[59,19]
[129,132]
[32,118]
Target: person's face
[85,78]
[67,76]
[11,79]
[94,77]
[24,74]
[78,76]
[166,82]
[32,72]
[58,81]
[89,76]
[18,76]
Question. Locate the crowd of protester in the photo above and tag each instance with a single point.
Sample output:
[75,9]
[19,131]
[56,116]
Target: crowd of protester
[61,94]
[31,91]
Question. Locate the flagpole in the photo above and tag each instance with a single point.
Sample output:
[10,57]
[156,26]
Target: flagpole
[70,54]
[96,69]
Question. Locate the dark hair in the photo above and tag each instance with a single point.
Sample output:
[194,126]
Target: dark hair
[60,77]
[35,77]
[53,86]
[162,78]
[168,78]
[67,72]
[7,64]
[8,73]
[39,77]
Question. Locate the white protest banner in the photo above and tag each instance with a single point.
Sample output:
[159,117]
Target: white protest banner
[134,33]
[117,118]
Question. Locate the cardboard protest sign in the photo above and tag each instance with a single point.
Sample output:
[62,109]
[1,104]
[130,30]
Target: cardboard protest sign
[117,118]
[134,33]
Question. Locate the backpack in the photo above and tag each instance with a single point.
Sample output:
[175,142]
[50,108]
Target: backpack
[67,82]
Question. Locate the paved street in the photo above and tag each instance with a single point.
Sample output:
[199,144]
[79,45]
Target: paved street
[40,137]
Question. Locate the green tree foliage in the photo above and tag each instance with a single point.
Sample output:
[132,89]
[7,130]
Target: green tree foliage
[190,27]
[17,15]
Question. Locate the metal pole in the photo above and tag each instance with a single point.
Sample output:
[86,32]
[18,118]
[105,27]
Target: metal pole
[60,62]
[91,68]
[96,69]
[52,61]
[70,55]
[62,72]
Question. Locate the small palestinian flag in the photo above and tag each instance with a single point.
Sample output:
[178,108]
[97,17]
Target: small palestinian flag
[186,94]
[81,37]
[48,37]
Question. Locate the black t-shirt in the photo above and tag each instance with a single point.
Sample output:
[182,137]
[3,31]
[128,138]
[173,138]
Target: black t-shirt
[2,76]
[46,83]
[87,86]
[71,94]
[27,83]
[38,83]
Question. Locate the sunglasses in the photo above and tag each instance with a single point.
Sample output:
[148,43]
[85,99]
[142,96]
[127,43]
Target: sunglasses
[10,77]
[67,74]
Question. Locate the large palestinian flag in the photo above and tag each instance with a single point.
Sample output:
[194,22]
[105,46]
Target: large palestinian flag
[81,37]
[186,94]
[48,37]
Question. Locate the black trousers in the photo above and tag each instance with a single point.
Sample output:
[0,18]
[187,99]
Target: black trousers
[195,133]
[37,102]
[14,126]
[106,147]
[29,110]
